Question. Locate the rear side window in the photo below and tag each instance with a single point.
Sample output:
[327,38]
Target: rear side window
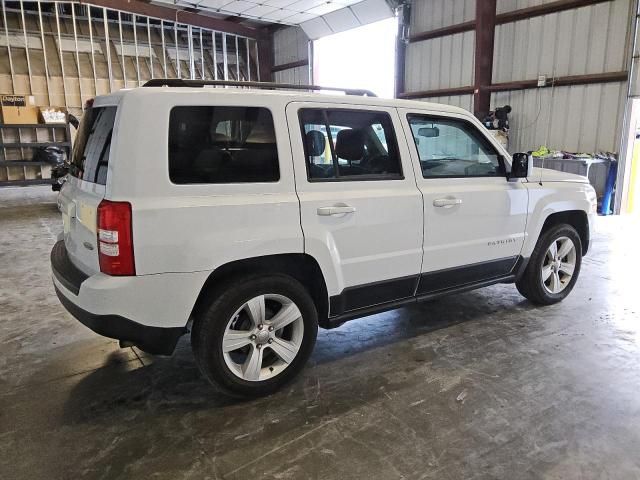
[222,145]
[349,145]
[90,157]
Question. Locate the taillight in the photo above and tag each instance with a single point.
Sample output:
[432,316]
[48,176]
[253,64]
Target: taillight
[115,238]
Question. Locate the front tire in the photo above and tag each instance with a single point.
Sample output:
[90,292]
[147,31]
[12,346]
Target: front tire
[554,266]
[256,335]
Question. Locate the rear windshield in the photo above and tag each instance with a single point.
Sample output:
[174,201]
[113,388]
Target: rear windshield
[90,156]
[222,145]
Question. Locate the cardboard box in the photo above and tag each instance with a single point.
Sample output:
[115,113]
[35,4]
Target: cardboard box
[18,109]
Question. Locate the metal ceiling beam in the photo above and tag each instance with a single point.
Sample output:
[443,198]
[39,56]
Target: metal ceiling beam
[403,12]
[442,92]
[287,66]
[235,19]
[588,79]
[180,16]
[564,81]
[265,58]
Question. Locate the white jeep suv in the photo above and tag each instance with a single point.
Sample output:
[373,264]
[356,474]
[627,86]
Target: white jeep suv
[259,215]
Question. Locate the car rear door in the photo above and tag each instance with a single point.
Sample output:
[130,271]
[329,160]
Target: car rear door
[86,185]
[361,211]
[475,218]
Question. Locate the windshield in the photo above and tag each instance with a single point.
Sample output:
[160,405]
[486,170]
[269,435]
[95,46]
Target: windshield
[90,156]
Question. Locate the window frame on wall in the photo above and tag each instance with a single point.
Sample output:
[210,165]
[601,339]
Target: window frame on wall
[472,131]
[391,140]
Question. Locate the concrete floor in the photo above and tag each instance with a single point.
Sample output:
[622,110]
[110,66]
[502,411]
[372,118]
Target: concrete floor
[481,385]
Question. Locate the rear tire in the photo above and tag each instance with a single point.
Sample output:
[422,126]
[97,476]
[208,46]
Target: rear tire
[554,266]
[256,335]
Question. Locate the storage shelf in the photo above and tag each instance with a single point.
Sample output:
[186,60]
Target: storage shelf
[34,144]
[24,183]
[23,163]
[33,125]
[18,145]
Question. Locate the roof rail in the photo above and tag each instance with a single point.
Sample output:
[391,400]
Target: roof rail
[179,82]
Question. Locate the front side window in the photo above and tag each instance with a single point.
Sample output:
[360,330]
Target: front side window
[90,157]
[349,145]
[449,147]
[222,145]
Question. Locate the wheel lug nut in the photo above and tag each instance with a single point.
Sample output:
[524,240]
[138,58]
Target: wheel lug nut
[260,327]
[271,340]
[258,346]
[252,337]
[271,328]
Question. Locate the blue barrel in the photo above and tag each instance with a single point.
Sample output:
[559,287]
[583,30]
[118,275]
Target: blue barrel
[605,208]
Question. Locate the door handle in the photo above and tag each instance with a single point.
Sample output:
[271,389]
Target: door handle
[335,210]
[446,202]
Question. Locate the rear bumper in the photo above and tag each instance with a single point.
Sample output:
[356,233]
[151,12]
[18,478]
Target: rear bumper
[150,311]
[154,340]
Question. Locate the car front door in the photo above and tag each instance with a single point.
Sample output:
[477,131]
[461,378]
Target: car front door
[475,218]
[361,211]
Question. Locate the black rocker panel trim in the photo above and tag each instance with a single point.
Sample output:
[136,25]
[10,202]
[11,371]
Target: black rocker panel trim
[357,301]
[458,276]
[361,296]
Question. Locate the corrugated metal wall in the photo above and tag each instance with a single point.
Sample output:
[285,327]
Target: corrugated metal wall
[586,40]
[291,45]
[635,74]
[431,14]
[441,62]
[503,6]
[462,101]
[591,39]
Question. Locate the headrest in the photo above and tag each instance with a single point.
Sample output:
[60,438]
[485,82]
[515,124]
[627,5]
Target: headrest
[350,144]
[316,143]
[219,138]
[262,132]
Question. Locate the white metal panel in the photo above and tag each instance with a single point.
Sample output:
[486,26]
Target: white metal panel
[371,11]
[462,101]
[316,28]
[289,45]
[504,6]
[579,118]
[334,20]
[297,76]
[573,42]
[342,20]
[431,14]
[443,62]
[635,75]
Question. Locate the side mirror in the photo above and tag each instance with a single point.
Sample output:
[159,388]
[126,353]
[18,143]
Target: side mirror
[519,166]
[429,132]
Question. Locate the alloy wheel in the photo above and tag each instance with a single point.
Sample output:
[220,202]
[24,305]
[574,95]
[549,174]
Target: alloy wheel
[559,265]
[263,337]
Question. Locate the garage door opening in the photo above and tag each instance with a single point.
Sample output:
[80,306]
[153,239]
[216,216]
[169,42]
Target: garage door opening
[363,57]
[633,184]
